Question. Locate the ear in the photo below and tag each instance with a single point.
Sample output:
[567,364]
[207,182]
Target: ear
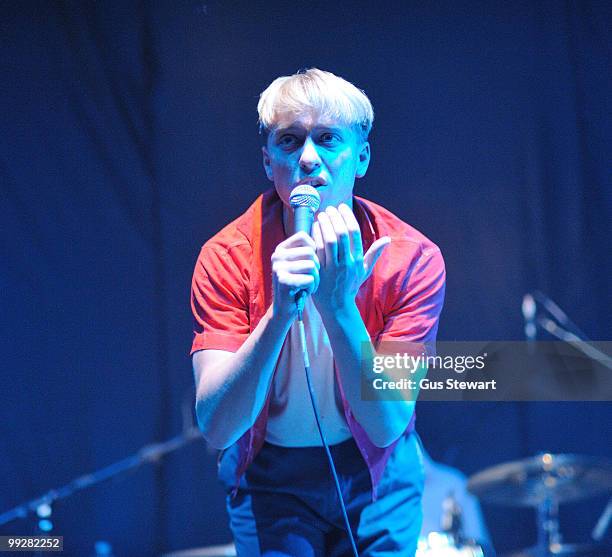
[364,160]
[266,163]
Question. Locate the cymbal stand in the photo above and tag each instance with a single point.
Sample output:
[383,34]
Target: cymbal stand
[549,534]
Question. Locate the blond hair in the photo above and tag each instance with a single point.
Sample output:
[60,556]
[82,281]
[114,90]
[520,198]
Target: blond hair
[319,91]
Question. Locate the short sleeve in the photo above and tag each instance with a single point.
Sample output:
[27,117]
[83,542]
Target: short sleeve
[220,300]
[416,301]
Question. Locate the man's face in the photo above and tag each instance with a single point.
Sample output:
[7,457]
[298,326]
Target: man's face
[315,150]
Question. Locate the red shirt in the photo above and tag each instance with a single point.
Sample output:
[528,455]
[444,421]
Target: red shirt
[231,291]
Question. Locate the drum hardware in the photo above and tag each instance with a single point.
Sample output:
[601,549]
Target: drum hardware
[450,542]
[543,482]
[451,521]
[439,544]
[227,550]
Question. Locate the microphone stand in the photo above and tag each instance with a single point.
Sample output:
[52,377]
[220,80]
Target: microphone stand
[548,525]
[602,524]
[573,340]
[149,453]
[577,339]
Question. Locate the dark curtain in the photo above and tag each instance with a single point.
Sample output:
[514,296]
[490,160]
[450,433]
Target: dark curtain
[129,137]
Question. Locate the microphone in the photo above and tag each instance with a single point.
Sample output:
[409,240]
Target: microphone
[528,307]
[305,202]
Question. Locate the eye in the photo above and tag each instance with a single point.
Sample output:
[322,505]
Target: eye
[328,138]
[287,140]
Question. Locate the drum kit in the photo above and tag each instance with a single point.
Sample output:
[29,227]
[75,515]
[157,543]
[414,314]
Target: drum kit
[542,482]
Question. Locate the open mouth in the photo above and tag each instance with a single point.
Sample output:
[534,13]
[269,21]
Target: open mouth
[315,183]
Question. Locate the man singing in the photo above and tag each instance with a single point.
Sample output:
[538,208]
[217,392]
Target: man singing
[369,278]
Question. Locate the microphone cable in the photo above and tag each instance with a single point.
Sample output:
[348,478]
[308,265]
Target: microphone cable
[300,300]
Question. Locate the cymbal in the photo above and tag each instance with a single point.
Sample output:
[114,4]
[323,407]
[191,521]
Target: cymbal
[546,477]
[565,550]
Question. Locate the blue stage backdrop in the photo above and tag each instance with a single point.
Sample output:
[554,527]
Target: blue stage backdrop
[129,137]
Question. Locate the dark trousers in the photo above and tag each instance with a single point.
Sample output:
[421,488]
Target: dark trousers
[287,503]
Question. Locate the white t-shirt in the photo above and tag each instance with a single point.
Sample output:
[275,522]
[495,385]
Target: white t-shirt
[291,421]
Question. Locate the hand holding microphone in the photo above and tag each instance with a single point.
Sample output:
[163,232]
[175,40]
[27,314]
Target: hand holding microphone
[337,246]
[295,265]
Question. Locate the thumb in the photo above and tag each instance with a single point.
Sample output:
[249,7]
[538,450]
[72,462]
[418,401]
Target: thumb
[372,255]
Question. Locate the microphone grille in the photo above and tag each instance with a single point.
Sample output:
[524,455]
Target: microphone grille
[305,196]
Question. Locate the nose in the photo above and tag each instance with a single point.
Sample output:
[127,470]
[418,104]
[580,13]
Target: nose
[309,158]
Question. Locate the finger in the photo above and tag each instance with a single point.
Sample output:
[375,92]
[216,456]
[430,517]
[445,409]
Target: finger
[318,240]
[372,255]
[295,254]
[309,285]
[301,266]
[295,281]
[353,229]
[296,240]
[308,289]
[329,239]
[342,235]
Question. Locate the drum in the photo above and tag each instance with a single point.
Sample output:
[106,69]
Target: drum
[437,544]
[227,550]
